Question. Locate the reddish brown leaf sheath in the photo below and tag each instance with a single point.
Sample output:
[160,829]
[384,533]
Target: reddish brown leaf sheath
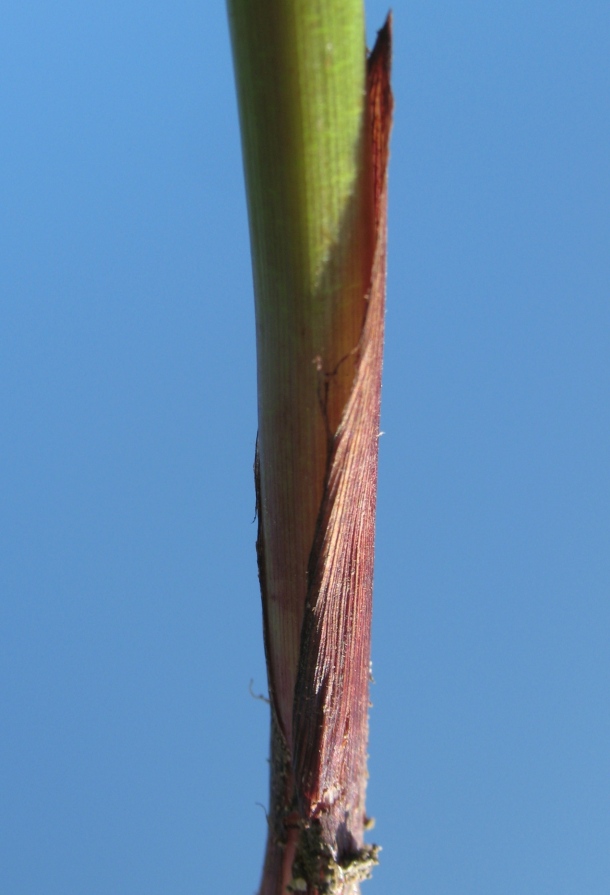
[330,720]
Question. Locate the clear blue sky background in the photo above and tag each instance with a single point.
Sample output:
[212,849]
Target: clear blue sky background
[132,756]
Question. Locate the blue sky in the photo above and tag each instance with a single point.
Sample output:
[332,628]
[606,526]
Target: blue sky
[132,755]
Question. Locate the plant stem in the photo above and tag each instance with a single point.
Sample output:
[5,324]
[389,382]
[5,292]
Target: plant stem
[313,203]
[301,79]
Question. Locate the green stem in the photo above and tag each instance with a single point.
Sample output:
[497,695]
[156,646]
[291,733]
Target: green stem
[300,71]
[301,83]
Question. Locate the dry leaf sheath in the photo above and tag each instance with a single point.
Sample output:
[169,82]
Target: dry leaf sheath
[319,279]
